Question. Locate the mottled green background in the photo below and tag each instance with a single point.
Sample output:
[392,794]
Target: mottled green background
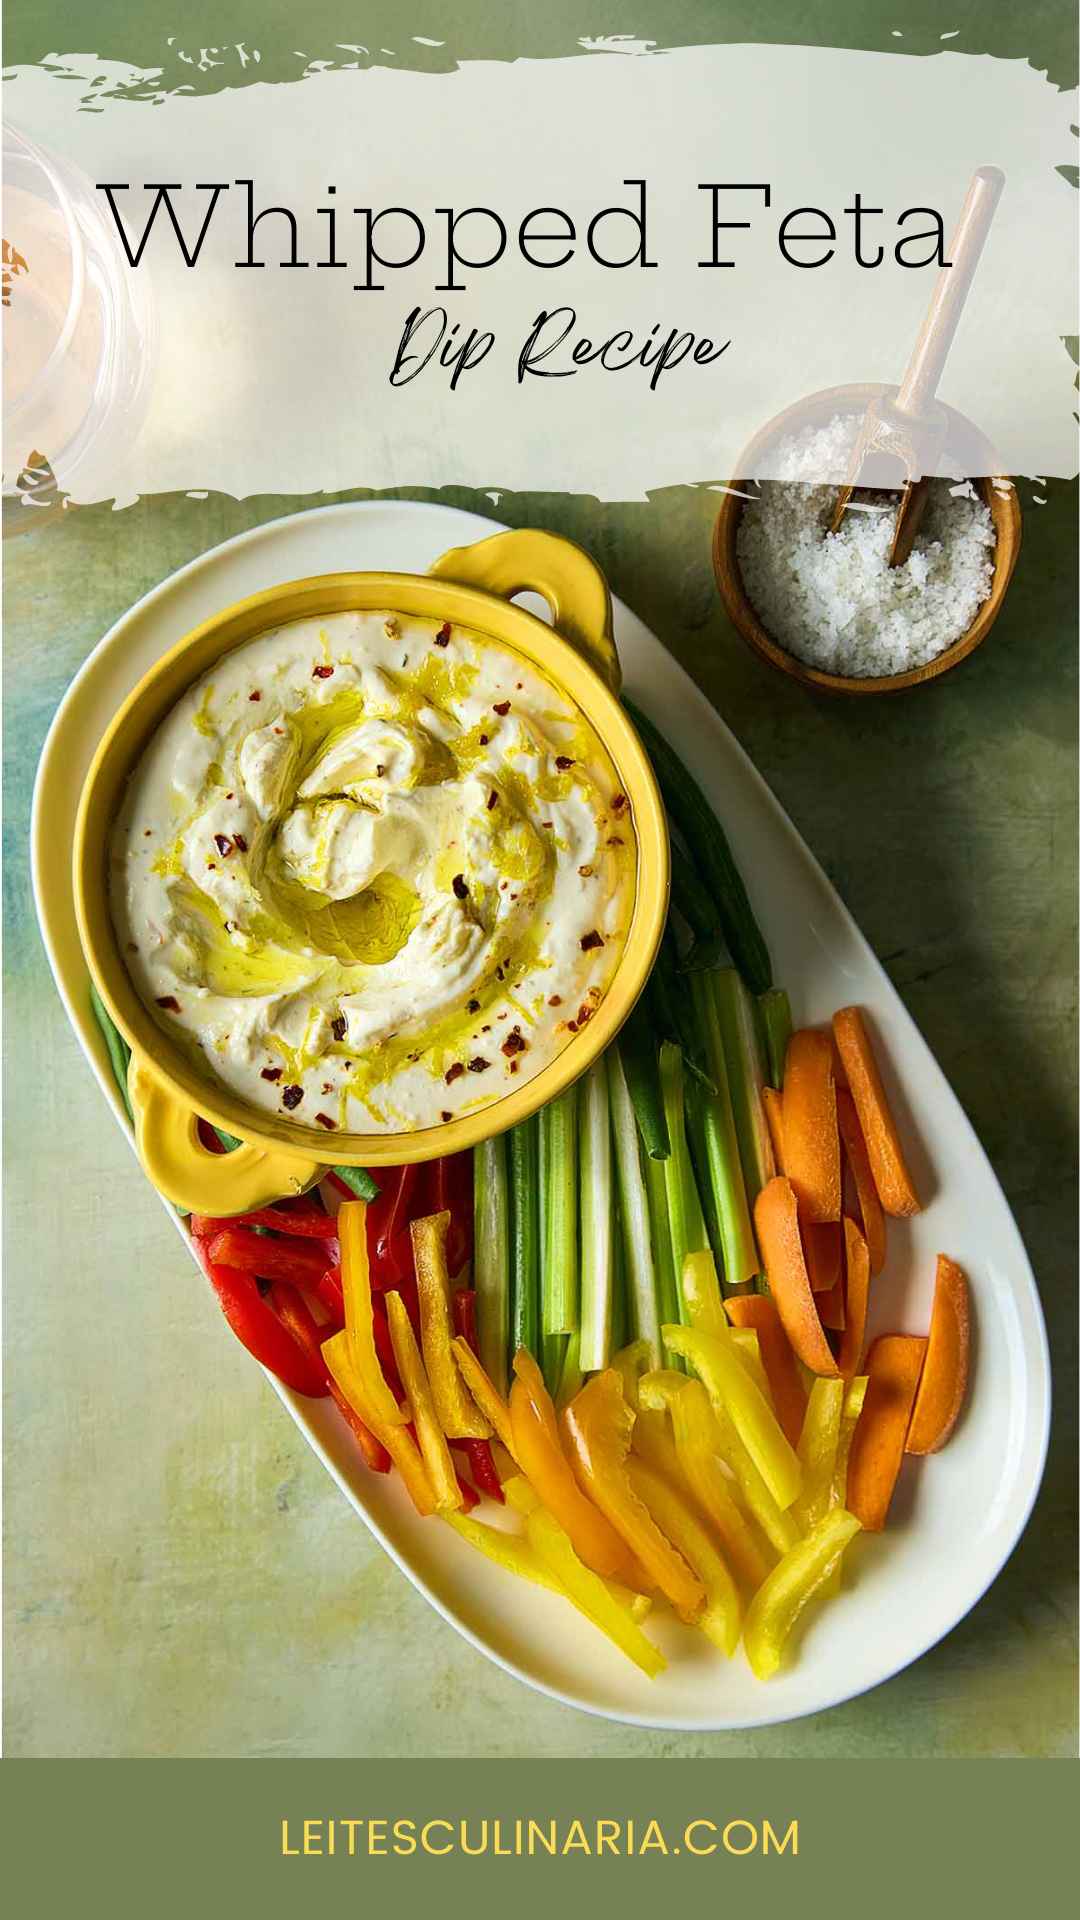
[182,1576]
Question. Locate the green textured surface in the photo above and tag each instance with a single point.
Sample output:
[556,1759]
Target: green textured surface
[182,1576]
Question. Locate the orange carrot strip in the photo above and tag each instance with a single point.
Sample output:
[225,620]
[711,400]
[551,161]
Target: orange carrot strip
[832,1311]
[944,1379]
[870,1208]
[758,1310]
[894,1365]
[823,1245]
[896,1189]
[776,1219]
[811,1140]
[773,1104]
[856,1299]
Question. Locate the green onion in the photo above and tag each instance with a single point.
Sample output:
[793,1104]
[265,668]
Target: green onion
[637,1252]
[637,1050]
[718,1146]
[746,1076]
[774,1015]
[491,1257]
[522,1144]
[558,1286]
[710,854]
[685,1219]
[116,1046]
[620,1333]
[690,896]
[667,1295]
[570,1376]
[357,1179]
[597,1206]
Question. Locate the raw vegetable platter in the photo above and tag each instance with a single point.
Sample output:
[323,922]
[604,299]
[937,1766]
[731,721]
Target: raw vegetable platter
[954,1518]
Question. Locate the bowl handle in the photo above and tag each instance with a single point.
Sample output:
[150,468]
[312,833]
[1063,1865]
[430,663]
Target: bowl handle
[197,1181]
[525,560]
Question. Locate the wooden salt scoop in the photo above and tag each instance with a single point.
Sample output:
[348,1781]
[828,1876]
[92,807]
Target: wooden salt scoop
[909,431]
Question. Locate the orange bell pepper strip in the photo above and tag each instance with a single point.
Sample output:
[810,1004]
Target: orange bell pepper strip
[730,1385]
[359,1322]
[459,1416]
[394,1436]
[894,1366]
[484,1392]
[870,1208]
[944,1377]
[698,1450]
[776,1218]
[758,1310]
[895,1186]
[430,1436]
[801,1574]
[811,1139]
[856,1300]
[538,1451]
[721,1617]
[599,1425]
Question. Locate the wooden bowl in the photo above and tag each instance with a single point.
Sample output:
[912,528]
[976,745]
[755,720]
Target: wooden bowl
[817,409]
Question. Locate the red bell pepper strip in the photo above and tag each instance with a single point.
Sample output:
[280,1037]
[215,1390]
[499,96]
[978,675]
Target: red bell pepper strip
[384,1347]
[306,1224]
[375,1454]
[329,1294]
[389,1245]
[448,1189]
[252,1252]
[258,1328]
[296,1317]
[480,1457]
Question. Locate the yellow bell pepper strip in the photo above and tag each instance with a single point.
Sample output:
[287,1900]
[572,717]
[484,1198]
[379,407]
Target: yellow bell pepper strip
[748,1348]
[459,1416]
[729,1385]
[849,1419]
[521,1497]
[506,1550]
[817,1452]
[701,1293]
[430,1436]
[395,1436]
[721,1618]
[598,1425]
[697,1451]
[553,1546]
[650,1439]
[484,1391]
[777,1604]
[538,1452]
[359,1325]
[778,1527]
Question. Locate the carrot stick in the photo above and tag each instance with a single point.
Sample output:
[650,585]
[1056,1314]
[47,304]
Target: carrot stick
[894,1365]
[856,1299]
[896,1189]
[811,1140]
[759,1310]
[944,1379]
[870,1207]
[823,1246]
[776,1218]
[773,1104]
[831,1309]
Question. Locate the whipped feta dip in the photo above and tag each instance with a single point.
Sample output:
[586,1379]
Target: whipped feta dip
[375,870]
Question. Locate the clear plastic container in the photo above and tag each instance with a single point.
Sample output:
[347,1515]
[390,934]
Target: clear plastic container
[79,335]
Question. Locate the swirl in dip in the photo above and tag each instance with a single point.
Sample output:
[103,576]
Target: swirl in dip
[374,870]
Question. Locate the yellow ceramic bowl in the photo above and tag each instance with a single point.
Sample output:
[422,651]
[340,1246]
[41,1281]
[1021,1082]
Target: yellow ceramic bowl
[471,586]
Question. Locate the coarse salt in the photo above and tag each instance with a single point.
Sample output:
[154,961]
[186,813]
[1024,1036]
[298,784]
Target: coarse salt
[832,599]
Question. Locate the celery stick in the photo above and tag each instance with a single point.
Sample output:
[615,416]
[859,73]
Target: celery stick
[491,1257]
[719,1146]
[638,1259]
[746,1076]
[570,1378]
[637,1051]
[552,1356]
[685,1219]
[524,1238]
[559,1203]
[620,1333]
[597,1219]
[667,1298]
[774,1017]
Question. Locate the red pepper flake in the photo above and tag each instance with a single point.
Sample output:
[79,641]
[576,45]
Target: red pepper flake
[169,1002]
[586,873]
[272,1073]
[223,844]
[446,1114]
[473,1006]
[571,1026]
[322,673]
[584,1013]
[555,1000]
[479,1065]
[563,762]
[239,843]
[618,803]
[379,770]
[255,696]
[483,739]
[339,1026]
[514,1042]
[513,1067]
[615,840]
[453,1073]
[461,891]
[492,800]
[442,638]
[591,940]
[291,1097]
[324,1120]
[501,707]
[148,833]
